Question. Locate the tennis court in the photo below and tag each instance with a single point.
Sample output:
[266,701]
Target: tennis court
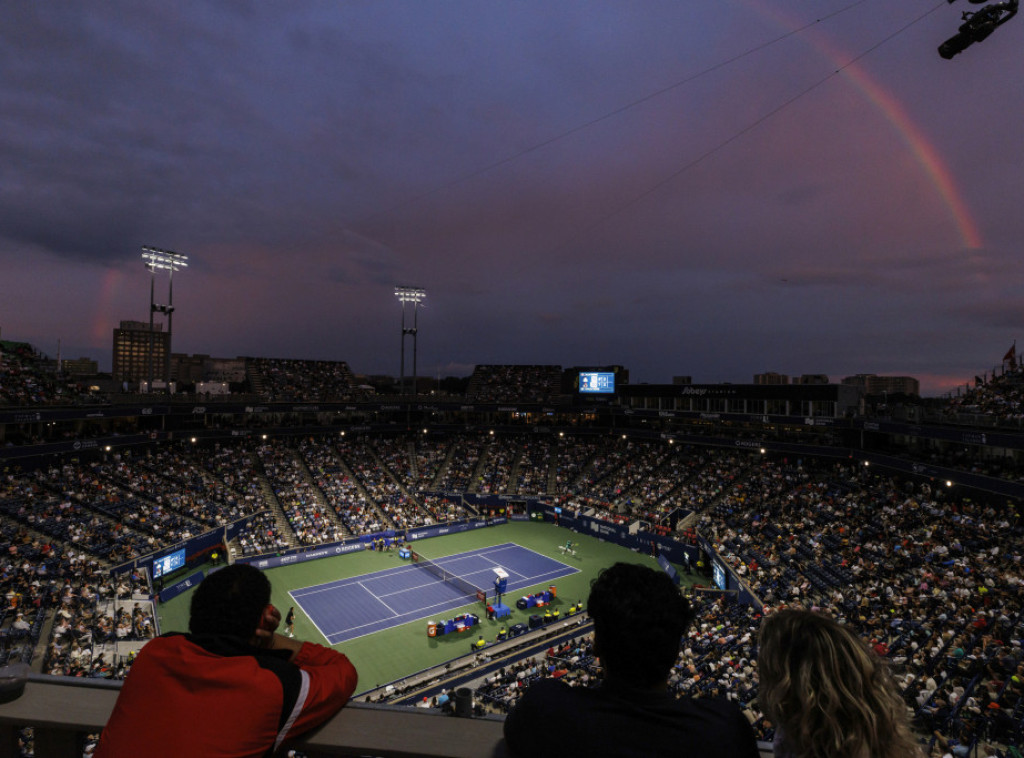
[349,608]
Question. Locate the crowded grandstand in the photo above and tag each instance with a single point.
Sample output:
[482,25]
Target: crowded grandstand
[899,518]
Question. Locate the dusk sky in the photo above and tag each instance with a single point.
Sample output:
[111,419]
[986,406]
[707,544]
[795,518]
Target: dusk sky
[713,188]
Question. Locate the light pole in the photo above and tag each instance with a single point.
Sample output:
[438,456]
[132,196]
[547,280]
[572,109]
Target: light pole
[156,259]
[415,296]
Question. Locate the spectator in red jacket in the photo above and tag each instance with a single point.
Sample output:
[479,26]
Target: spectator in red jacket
[231,687]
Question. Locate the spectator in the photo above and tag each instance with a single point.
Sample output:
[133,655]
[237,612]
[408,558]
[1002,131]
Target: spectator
[231,687]
[828,693]
[639,619]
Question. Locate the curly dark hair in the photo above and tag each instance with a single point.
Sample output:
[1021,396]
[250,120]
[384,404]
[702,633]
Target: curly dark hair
[640,617]
[230,601]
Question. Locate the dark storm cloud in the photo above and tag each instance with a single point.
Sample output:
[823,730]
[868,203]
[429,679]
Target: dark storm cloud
[1003,316]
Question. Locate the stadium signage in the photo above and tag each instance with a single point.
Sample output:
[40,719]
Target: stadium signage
[975,438]
[817,421]
[871,426]
[306,555]
[147,411]
[694,391]
[255,409]
[85,444]
[20,418]
[95,414]
[749,443]
[507,409]
[711,416]
[303,408]
[185,584]
[199,410]
[466,408]
[604,529]
[666,414]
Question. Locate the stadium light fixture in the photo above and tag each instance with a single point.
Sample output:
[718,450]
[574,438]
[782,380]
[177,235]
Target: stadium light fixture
[155,260]
[414,295]
[165,260]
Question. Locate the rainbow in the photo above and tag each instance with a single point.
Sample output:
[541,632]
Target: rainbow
[103,313]
[913,136]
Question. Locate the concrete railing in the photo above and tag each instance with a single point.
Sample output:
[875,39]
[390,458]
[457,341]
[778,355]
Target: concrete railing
[63,710]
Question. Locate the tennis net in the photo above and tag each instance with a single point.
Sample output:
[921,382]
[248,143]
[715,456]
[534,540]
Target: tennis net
[447,576]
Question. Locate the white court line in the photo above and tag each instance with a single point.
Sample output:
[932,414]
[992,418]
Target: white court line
[374,596]
[338,583]
[446,606]
[409,589]
[495,563]
[531,550]
[298,603]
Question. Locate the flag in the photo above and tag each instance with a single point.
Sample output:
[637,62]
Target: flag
[978,381]
[1011,354]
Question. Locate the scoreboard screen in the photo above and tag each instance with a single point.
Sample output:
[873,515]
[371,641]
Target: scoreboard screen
[718,572]
[597,382]
[169,563]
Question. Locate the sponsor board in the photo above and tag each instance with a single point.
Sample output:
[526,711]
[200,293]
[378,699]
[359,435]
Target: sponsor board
[183,586]
[749,443]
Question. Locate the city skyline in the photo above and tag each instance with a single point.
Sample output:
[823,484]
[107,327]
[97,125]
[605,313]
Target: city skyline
[703,190]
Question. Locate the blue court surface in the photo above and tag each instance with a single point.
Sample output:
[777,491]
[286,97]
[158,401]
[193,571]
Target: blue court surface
[349,608]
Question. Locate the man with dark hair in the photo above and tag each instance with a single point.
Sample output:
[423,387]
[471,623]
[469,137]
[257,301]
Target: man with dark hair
[639,620]
[232,686]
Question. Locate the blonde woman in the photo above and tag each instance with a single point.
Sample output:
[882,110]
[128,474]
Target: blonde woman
[827,693]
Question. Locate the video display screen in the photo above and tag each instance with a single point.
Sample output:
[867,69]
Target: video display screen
[168,563]
[597,382]
[718,572]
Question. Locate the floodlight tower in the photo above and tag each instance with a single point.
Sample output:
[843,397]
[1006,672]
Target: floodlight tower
[415,296]
[155,260]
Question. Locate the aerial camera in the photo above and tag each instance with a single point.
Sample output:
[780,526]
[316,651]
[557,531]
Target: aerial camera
[977,25]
